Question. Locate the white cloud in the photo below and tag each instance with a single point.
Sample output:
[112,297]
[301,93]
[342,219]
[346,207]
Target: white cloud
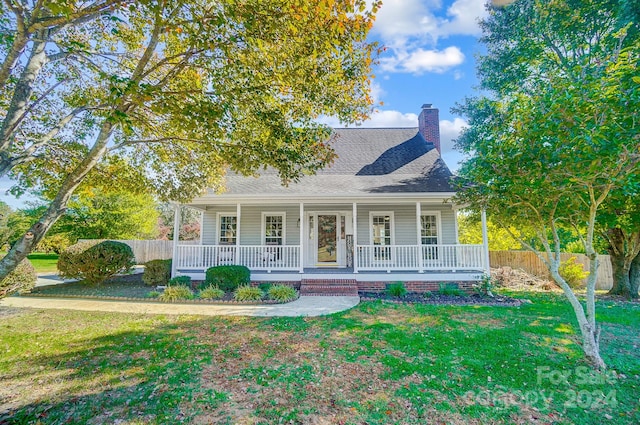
[376,91]
[463,16]
[450,130]
[407,26]
[378,119]
[399,20]
[391,119]
[420,61]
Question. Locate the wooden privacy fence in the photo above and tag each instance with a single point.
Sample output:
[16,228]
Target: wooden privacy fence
[529,262]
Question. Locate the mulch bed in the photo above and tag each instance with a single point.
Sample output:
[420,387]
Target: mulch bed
[127,288]
[440,299]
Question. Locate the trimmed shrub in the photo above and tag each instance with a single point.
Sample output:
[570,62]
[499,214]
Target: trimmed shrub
[265,286]
[573,273]
[248,293]
[228,278]
[451,289]
[22,279]
[94,263]
[157,272]
[180,280]
[211,293]
[397,290]
[282,293]
[176,293]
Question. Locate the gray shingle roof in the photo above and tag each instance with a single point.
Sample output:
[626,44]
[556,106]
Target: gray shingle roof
[369,160]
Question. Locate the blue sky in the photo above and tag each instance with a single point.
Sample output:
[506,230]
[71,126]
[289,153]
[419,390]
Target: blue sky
[429,59]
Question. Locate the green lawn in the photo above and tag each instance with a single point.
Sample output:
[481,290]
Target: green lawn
[44,263]
[376,364]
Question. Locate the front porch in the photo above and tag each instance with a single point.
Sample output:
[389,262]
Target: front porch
[386,240]
[269,262]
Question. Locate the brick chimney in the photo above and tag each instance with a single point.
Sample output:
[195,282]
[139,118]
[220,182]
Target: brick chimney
[429,125]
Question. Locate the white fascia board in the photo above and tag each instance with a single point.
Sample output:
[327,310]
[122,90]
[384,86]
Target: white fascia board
[333,199]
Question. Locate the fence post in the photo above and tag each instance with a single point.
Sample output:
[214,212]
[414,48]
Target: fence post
[485,243]
[176,239]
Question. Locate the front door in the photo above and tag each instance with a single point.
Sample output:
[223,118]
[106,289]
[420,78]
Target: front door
[327,239]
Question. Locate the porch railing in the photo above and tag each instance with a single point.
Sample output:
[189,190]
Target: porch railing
[255,257]
[419,257]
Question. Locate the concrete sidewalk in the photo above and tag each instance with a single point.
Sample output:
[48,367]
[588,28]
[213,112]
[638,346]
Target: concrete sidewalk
[303,306]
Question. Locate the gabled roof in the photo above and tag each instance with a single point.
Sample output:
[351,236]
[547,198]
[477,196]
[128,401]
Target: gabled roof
[369,160]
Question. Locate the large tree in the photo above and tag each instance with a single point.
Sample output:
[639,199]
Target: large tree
[180,89]
[619,224]
[100,214]
[559,130]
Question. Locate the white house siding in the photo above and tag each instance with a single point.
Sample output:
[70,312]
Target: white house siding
[251,223]
[405,222]
[209,223]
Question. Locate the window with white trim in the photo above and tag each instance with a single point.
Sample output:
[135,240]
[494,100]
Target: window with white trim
[273,225]
[381,225]
[381,234]
[429,229]
[228,225]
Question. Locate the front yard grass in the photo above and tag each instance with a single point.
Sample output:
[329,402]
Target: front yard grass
[43,262]
[378,363]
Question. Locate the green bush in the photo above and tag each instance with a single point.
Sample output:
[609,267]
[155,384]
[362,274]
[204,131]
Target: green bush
[176,293]
[282,293]
[22,279]
[248,293]
[180,280]
[153,294]
[211,293]
[54,244]
[451,289]
[94,263]
[485,286]
[265,286]
[228,278]
[397,290]
[573,273]
[157,272]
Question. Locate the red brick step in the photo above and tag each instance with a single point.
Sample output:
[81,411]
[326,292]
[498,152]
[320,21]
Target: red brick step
[335,287]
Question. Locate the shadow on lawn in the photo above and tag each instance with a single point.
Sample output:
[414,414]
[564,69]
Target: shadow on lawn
[150,375]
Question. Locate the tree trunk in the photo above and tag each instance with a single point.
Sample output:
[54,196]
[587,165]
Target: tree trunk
[634,277]
[22,92]
[621,273]
[620,263]
[588,329]
[56,209]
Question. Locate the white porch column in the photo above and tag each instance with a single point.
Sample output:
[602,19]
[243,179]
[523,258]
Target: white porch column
[201,226]
[419,236]
[485,243]
[455,224]
[355,237]
[238,211]
[301,237]
[176,240]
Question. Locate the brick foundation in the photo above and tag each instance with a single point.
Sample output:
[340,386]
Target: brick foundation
[415,286]
[348,286]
